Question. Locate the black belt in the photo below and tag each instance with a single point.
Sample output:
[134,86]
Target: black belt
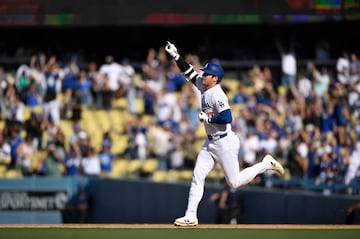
[210,137]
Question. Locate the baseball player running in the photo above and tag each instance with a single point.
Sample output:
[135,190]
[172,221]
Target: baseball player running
[222,145]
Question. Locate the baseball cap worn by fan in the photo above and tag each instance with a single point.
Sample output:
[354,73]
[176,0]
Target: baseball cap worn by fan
[213,69]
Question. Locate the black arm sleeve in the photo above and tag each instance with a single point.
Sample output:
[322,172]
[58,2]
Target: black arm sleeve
[187,69]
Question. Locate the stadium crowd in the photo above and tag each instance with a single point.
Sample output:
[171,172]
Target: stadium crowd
[308,117]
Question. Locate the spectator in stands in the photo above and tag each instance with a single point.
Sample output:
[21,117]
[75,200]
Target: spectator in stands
[32,98]
[33,128]
[150,88]
[257,78]
[354,164]
[288,64]
[327,120]
[167,106]
[5,149]
[3,82]
[304,85]
[71,73]
[25,153]
[297,160]
[176,154]
[128,84]
[15,140]
[59,141]
[22,80]
[12,108]
[159,145]
[76,109]
[97,83]
[354,68]
[241,96]
[112,71]
[343,68]
[53,78]
[52,164]
[321,80]
[84,143]
[141,143]
[72,163]
[250,148]
[106,159]
[83,89]
[90,163]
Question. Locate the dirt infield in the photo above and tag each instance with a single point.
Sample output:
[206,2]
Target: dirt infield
[240,226]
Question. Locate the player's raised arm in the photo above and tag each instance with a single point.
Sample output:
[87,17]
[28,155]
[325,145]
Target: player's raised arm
[185,67]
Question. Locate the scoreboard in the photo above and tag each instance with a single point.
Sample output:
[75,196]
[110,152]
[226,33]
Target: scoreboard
[173,12]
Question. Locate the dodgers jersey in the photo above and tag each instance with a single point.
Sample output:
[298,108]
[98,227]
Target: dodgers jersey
[213,101]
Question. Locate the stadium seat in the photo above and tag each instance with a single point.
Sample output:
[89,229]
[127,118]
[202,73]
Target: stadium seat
[120,143]
[149,166]
[2,170]
[172,175]
[185,175]
[134,167]
[216,174]
[119,167]
[13,173]
[159,176]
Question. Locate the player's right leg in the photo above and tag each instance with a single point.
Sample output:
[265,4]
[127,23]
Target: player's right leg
[186,221]
[204,164]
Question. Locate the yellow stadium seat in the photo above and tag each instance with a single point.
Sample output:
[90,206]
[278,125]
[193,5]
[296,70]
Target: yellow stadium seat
[27,112]
[13,173]
[216,174]
[149,166]
[2,170]
[134,167]
[6,160]
[159,176]
[172,175]
[186,175]
[119,167]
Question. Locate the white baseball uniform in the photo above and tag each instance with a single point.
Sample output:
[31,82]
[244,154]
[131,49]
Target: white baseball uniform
[222,146]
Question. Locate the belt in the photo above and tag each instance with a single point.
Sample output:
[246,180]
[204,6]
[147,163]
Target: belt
[210,137]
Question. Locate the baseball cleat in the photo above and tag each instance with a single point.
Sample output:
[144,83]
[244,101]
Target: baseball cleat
[186,222]
[275,165]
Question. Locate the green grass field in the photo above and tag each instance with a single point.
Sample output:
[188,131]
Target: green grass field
[175,233]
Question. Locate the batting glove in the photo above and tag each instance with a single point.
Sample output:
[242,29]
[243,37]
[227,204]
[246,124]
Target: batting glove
[203,117]
[172,50]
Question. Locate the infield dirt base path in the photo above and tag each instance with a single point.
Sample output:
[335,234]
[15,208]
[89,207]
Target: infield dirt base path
[240,226]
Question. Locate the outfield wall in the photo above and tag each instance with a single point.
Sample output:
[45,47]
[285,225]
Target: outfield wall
[38,200]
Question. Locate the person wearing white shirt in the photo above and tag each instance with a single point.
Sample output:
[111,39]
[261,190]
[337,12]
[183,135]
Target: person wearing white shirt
[343,68]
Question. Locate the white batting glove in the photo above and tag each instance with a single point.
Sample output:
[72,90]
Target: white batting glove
[172,50]
[203,117]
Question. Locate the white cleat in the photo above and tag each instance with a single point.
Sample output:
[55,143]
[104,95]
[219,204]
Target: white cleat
[186,222]
[275,165]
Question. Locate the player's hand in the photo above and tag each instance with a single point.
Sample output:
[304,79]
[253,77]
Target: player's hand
[203,117]
[172,50]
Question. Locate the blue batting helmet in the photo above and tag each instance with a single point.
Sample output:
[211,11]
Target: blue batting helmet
[213,69]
